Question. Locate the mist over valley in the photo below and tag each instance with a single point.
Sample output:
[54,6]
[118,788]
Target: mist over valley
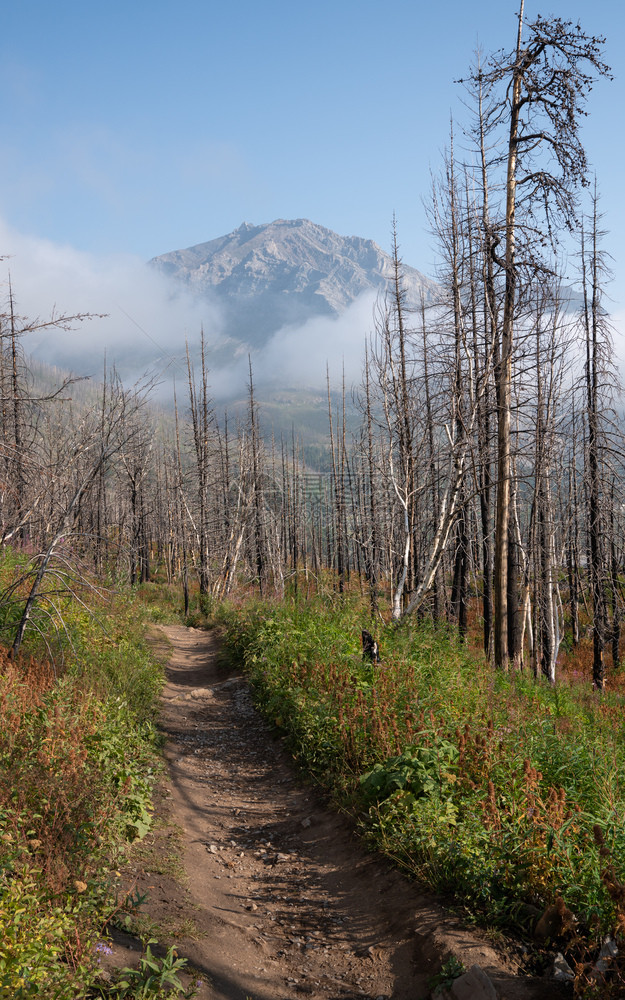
[296,298]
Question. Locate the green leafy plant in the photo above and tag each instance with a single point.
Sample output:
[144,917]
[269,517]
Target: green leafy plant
[154,979]
[451,969]
[422,771]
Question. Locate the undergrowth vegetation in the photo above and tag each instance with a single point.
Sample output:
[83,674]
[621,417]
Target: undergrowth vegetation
[505,792]
[77,765]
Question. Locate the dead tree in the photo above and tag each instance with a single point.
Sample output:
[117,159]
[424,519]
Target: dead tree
[600,383]
[537,95]
[86,451]
[202,421]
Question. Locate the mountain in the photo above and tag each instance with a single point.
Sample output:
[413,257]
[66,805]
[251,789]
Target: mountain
[284,273]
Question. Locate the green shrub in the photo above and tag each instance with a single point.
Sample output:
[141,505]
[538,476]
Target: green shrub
[486,785]
[77,766]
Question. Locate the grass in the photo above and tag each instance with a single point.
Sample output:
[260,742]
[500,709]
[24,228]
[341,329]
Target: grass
[497,789]
[159,853]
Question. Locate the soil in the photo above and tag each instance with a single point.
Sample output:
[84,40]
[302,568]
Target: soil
[273,896]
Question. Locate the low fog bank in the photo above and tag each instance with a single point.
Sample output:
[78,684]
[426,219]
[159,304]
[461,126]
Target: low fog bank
[148,318]
[299,355]
[137,317]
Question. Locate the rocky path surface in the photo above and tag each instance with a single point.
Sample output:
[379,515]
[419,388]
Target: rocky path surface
[284,901]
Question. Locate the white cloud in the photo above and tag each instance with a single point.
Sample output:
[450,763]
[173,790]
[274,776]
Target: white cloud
[299,354]
[147,316]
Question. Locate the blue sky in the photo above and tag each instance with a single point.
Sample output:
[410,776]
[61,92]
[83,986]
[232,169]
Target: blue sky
[138,128]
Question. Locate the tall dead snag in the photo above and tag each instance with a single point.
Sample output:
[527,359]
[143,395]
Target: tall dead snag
[181,515]
[265,548]
[225,511]
[600,382]
[536,94]
[394,369]
[490,308]
[238,499]
[202,419]
[18,428]
[338,492]
[438,583]
[572,532]
[396,468]
[457,261]
[405,422]
[371,546]
[482,324]
[259,554]
[550,359]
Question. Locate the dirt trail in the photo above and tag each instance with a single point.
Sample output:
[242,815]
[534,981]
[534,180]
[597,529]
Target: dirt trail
[285,901]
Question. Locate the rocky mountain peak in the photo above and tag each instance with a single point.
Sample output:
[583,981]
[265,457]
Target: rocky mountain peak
[284,272]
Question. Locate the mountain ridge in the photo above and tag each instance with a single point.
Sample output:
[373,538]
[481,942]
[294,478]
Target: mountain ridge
[284,273]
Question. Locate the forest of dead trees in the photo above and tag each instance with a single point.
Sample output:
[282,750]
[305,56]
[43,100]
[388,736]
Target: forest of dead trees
[485,486]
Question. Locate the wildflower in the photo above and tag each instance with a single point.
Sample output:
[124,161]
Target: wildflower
[103,948]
